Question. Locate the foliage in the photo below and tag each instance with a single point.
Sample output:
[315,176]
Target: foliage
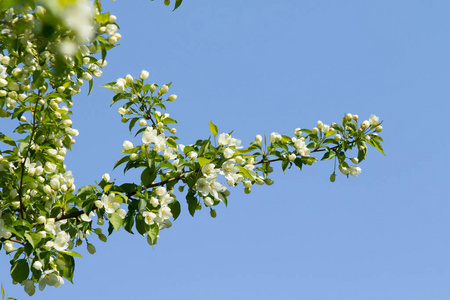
[47,52]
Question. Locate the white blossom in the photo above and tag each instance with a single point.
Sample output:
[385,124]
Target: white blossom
[373,120]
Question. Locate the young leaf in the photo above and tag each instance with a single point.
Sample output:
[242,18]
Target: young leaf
[213,128]
[20,270]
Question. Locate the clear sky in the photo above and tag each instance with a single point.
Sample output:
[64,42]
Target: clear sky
[260,66]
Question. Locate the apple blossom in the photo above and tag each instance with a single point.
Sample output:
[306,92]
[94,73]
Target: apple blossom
[373,120]
[354,171]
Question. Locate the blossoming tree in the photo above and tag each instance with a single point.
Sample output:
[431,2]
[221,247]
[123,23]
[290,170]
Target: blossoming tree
[47,52]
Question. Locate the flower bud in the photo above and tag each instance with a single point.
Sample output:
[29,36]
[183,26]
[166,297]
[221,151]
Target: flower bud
[348,117]
[91,248]
[129,79]
[142,122]
[152,87]
[164,89]
[297,132]
[315,130]
[213,213]
[41,219]
[172,98]
[333,177]
[292,156]
[181,188]
[193,155]
[259,180]
[37,265]
[258,138]
[355,117]
[247,184]
[208,201]
[103,238]
[13,193]
[247,190]
[355,160]
[106,177]
[173,130]
[268,181]
[127,145]
[144,75]
[122,111]
[228,153]
[337,137]
[133,156]
[86,76]
[47,189]
[319,124]
[378,128]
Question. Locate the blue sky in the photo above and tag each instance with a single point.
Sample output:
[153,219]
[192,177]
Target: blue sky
[263,66]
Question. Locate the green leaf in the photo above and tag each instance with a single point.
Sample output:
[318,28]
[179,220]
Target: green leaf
[172,143]
[153,233]
[132,123]
[33,238]
[169,121]
[177,4]
[141,226]
[175,208]
[213,128]
[3,292]
[69,267]
[329,155]
[7,140]
[147,176]
[245,172]
[192,203]
[91,85]
[377,145]
[85,191]
[109,85]
[71,253]
[309,160]
[121,161]
[115,220]
[298,162]
[20,270]
[203,161]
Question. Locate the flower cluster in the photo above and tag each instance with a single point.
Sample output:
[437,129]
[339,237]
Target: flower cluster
[44,216]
